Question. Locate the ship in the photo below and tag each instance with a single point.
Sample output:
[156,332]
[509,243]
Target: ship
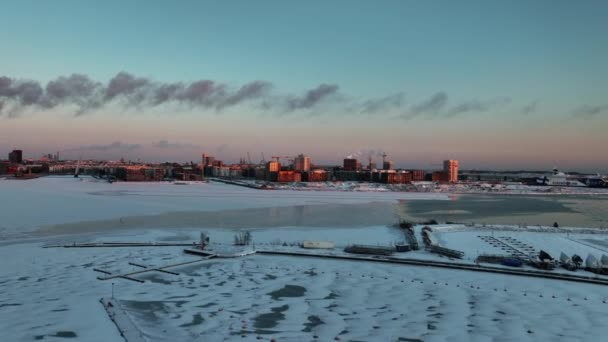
[596,181]
[559,178]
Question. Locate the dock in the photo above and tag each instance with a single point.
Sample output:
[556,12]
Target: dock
[127,329]
[145,269]
[450,265]
[121,244]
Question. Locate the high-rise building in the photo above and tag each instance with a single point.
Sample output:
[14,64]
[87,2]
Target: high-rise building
[302,163]
[418,175]
[208,160]
[273,166]
[351,164]
[387,165]
[450,168]
[16,156]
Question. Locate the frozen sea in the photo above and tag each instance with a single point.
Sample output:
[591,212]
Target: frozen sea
[53,293]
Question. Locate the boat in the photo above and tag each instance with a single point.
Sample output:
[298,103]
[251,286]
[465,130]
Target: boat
[512,262]
[318,244]
[577,260]
[604,264]
[559,178]
[596,181]
[566,262]
[591,262]
[604,261]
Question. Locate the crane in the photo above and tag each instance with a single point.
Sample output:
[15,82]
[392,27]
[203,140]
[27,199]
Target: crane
[249,158]
[278,158]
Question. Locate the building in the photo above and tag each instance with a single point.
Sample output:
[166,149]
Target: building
[288,176]
[4,167]
[302,163]
[318,175]
[418,175]
[439,176]
[351,164]
[387,165]
[208,160]
[16,157]
[450,168]
[273,166]
[272,170]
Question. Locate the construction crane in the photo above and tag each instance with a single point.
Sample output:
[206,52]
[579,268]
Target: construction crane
[249,158]
[278,158]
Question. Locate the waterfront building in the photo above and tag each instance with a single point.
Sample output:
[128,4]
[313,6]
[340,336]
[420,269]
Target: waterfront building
[450,168]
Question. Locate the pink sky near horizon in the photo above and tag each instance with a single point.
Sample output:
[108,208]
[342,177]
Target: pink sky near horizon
[477,143]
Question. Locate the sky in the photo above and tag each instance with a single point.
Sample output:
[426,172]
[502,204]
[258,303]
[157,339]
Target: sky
[495,84]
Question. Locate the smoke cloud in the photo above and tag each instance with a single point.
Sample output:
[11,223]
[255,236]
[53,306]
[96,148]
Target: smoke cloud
[312,97]
[588,112]
[167,145]
[117,145]
[530,108]
[366,153]
[430,107]
[383,104]
[128,91]
[435,107]
[476,106]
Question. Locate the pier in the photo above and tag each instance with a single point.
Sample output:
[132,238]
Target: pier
[127,329]
[162,269]
[121,244]
[450,265]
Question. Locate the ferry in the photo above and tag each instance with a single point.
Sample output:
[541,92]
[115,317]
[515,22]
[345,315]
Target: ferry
[559,178]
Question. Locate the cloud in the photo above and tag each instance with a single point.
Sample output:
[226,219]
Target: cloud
[21,93]
[125,84]
[128,90]
[221,148]
[432,105]
[530,108]
[383,104]
[253,90]
[366,153]
[117,145]
[312,97]
[476,106]
[167,144]
[589,112]
[435,107]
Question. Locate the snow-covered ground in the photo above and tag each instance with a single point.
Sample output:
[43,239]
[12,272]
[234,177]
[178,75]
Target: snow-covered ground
[48,293]
[430,187]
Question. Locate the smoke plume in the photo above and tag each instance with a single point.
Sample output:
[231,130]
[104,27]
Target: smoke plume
[312,97]
[128,91]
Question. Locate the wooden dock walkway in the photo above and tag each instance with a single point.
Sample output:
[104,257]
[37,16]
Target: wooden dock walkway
[122,244]
[129,275]
[127,329]
[451,265]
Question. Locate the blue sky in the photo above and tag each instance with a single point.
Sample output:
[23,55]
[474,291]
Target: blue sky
[500,56]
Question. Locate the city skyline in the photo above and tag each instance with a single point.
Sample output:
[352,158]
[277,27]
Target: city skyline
[496,86]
